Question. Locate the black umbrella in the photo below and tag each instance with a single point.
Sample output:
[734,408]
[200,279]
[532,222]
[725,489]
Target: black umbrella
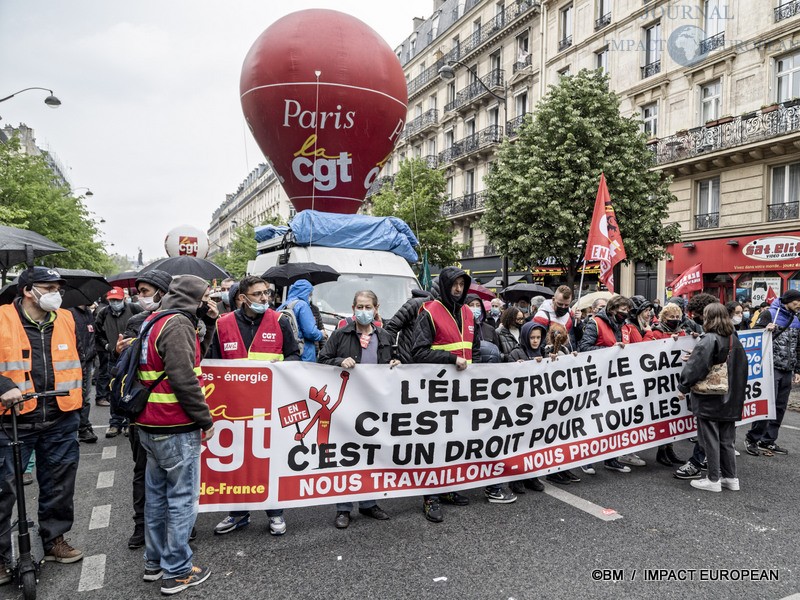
[126,279]
[525,290]
[188,265]
[19,246]
[82,287]
[283,275]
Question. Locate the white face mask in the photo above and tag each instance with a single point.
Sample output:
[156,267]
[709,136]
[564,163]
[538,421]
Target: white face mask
[737,319]
[48,302]
[148,303]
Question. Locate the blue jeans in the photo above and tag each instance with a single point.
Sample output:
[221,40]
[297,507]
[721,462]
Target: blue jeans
[348,506]
[172,493]
[766,431]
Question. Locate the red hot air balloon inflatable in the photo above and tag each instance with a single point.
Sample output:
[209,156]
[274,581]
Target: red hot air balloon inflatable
[325,97]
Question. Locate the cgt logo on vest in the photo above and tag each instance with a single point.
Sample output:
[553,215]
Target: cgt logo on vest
[188,246]
[268,336]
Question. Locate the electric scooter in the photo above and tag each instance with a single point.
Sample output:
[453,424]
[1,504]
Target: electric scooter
[26,571]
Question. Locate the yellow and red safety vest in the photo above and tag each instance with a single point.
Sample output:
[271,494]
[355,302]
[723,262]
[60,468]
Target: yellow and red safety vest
[266,345]
[447,335]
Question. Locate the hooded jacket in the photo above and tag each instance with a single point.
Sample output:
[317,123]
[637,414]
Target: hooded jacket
[424,332]
[300,291]
[108,326]
[176,345]
[401,326]
[785,339]
[487,331]
[524,351]
[591,333]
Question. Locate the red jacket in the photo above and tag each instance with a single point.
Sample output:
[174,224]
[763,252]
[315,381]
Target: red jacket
[446,333]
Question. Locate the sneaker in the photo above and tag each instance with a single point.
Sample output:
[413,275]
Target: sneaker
[614,465]
[137,540]
[633,460]
[558,478]
[571,476]
[433,511]
[499,496]
[706,485]
[687,471]
[773,448]
[534,484]
[27,478]
[751,447]
[730,483]
[231,523]
[112,432]
[588,469]
[374,512]
[103,402]
[455,499]
[174,585]
[153,574]
[62,552]
[517,487]
[87,436]
[277,525]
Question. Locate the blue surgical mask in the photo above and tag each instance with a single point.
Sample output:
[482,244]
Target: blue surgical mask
[476,312]
[364,317]
[258,308]
[116,305]
[495,312]
[746,314]
[225,298]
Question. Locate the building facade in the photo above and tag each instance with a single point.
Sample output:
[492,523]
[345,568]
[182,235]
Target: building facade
[714,83]
[259,198]
[27,142]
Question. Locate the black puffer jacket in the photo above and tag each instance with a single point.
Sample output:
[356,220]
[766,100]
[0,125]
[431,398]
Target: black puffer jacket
[713,349]
[785,341]
[344,343]
[401,326]
[508,342]
[590,334]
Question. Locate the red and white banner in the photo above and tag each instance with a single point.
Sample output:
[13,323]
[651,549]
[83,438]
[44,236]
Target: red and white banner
[605,240]
[299,434]
[691,280]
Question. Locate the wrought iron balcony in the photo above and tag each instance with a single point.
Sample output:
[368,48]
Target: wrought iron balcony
[490,250]
[787,10]
[512,126]
[464,204]
[521,64]
[712,43]
[431,161]
[378,184]
[602,21]
[706,221]
[468,252]
[651,69]
[784,211]
[481,139]
[429,117]
[564,43]
[447,155]
[493,79]
[771,122]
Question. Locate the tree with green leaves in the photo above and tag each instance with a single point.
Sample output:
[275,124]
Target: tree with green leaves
[242,248]
[31,199]
[542,188]
[416,196]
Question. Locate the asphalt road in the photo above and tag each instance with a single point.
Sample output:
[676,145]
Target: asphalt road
[540,547]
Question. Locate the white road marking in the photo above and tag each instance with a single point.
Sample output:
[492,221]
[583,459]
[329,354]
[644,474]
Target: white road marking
[737,522]
[93,573]
[793,596]
[105,479]
[110,452]
[101,517]
[604,514]
[796,429]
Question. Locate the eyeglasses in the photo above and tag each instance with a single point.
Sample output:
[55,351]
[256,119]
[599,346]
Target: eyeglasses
[50,290]
[262,294]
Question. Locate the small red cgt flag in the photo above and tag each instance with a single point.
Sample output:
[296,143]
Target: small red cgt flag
[691,280]
[771,295]
[605,240]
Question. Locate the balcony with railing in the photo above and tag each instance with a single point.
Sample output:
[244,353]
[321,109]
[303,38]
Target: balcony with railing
[602,21]
[493,79]
[468,252]
[784,211]
[757,126]
[651,68]
[421,123]
[490,250]
[463,205]
[787,10]
[431,161]
[712,43]
[449,154]
[523,63]
[481,140]
[378,184]
[564,43]
[706,221]
[512,126]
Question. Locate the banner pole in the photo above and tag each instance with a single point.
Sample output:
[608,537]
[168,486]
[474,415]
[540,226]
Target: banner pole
[580,285]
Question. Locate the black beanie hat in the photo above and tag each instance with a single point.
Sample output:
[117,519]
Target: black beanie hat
[158,279]
[790,296]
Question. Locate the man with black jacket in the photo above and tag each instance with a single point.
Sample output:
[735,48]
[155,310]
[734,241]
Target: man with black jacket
[84,332]
[401,326]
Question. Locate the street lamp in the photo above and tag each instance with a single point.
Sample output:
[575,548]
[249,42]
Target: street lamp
[51,100]
[447,73]
[88,191]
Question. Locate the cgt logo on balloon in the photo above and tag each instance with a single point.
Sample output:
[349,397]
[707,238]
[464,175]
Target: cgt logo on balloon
[325,98]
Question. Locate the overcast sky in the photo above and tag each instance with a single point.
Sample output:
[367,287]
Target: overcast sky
[150,117]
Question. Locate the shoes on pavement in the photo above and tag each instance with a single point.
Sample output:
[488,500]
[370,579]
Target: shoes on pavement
[633,460]
[455,499]
[342,520]
[231,523]
[588,470]
[193,534]
[153,574]
[751,447]
[614,465]
[571,476]
[174,585]
[706,485]
[112,432]
[558,478]
[277,525]
[124,430]
[102,402]
[433,510]
[27,478]
[770,449]
[534,484]
[499,496]
[730,483]
[137,540]
[374,512]
[676,460]
[662,458]
[87,436]
[688,471]
[517,487]
[62,552]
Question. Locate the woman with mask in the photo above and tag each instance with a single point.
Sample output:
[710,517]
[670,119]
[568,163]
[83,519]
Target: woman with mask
[509,331]
[736,313]
[359,342]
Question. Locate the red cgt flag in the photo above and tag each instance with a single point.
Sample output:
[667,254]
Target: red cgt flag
[605,240]
[691,280]
[771,295]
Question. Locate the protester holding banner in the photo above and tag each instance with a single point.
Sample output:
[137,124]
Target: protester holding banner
[401,325]
[253,332]
[686,324]
[716,396]
[508,333]
[359,342]
[669,325]
[781,319]
[637,326]
[490,341]
[531,343]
